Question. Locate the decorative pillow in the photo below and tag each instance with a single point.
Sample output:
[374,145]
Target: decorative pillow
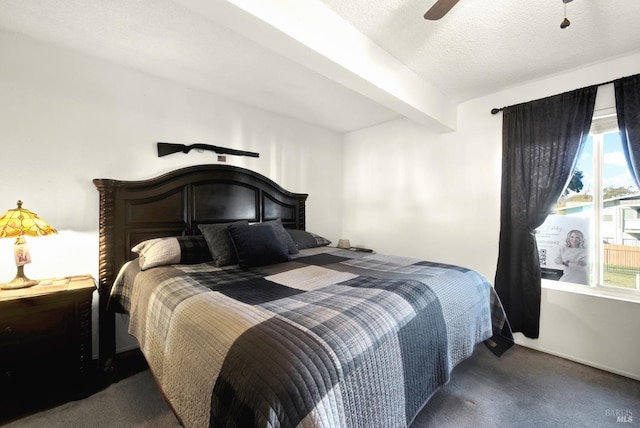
[304,239]
[257,246]
[281,234]
[193,249]
[219,242]
[172,250]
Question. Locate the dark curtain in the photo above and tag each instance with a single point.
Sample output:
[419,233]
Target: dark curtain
[628,110]
[541,141]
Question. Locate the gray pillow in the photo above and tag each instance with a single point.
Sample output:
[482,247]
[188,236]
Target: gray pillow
[282,235]
[304,239]
[219,242]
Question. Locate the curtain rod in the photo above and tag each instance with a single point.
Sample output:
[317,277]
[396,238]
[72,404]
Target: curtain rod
[498,110]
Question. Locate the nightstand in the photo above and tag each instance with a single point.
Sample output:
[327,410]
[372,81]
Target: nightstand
[45,339]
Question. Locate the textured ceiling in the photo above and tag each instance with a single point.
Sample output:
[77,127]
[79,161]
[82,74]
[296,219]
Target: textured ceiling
[478,48]
[482,46]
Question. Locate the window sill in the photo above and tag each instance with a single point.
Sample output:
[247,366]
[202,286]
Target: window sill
[626,295]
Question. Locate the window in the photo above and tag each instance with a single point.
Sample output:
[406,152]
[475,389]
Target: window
[592,237]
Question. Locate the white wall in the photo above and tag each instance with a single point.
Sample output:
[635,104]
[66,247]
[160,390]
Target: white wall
[67,118]
[409,191]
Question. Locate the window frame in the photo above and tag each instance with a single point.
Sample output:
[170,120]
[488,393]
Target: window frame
[604,122]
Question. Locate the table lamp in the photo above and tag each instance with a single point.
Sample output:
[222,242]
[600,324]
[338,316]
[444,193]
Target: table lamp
[16,223]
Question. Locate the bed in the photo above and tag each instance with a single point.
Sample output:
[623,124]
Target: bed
[248,319]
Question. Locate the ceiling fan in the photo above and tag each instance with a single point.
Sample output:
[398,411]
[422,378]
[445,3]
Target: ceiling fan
[442,7]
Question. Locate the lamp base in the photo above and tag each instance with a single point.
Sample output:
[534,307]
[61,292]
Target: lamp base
[20,281]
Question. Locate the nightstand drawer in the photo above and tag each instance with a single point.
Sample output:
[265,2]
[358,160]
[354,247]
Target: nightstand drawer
[35,366]
[34,321]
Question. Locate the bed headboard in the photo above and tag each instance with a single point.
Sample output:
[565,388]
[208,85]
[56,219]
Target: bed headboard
[174,204]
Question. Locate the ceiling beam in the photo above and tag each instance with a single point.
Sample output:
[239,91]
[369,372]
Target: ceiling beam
[312,35]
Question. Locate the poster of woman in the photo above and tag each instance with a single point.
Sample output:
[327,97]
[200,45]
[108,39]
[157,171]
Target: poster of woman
[574,256]
[563,248]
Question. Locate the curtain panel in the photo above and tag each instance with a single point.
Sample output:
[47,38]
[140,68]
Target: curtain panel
[627,90]
[541,141]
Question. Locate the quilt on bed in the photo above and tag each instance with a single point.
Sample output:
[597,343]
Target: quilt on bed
[333,338]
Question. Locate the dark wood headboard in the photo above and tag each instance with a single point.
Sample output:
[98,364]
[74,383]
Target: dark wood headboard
[174,204]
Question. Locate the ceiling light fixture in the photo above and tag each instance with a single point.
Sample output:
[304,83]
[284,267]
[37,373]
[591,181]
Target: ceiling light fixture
[565,22]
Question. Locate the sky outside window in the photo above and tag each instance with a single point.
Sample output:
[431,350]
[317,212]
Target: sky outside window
[615,169]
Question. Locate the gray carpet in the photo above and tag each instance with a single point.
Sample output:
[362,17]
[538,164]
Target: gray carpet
[523,388]
[527,388]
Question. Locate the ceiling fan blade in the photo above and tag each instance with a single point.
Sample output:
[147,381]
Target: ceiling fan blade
[439,9]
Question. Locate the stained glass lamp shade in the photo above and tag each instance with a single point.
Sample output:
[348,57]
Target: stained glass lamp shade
[18,223]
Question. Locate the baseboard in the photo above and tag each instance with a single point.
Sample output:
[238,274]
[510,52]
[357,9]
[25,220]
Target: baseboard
[584,362]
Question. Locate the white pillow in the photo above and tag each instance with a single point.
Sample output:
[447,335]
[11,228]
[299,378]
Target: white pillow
[158,252]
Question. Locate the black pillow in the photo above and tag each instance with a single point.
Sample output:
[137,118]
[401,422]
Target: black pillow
[304,239]
[257,246]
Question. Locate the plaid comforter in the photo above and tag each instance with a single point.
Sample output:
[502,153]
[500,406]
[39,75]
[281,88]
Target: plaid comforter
[333,338]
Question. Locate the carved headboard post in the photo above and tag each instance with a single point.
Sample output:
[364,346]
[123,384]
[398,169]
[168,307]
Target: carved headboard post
[106,272]
[302,215]
[106,225]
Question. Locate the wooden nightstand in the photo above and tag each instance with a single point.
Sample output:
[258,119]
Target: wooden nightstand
[45,339]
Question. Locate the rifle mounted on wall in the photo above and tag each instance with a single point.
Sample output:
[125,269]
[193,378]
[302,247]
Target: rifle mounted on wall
[165,149]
